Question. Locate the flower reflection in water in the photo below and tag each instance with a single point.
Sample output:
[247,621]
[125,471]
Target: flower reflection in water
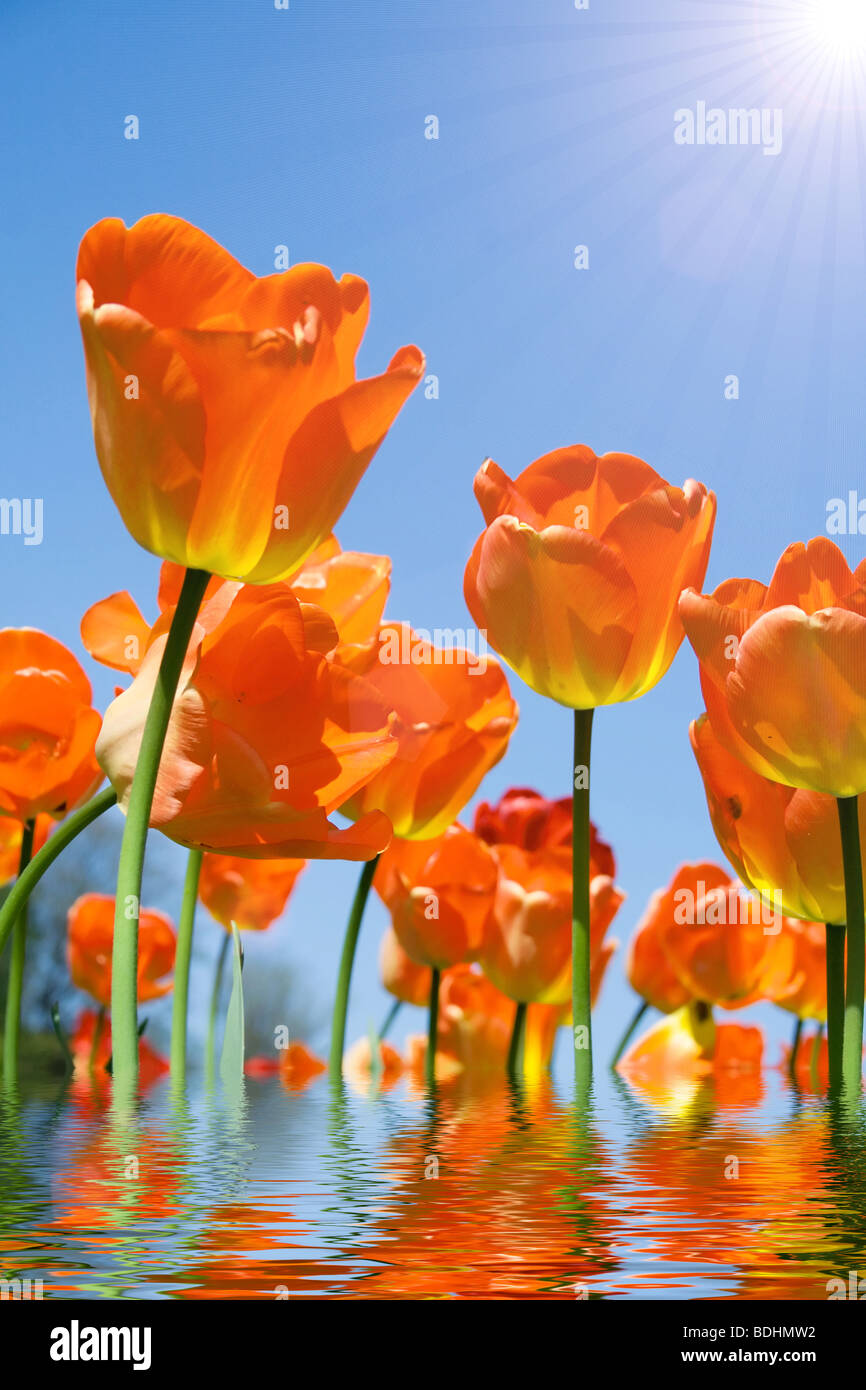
[732,1184]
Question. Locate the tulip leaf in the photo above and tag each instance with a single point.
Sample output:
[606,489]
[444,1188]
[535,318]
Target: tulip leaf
[232,1058]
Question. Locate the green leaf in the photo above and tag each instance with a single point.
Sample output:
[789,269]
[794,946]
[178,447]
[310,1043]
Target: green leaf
[232,1059]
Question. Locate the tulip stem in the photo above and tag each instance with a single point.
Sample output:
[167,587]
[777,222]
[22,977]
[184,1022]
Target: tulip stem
[124,970]
[627,1035]
[15,982]
[432,1030]
[515,1047]
[183,955]
[835,937]
[347,960]
[795,1048]
[581,994]
[391,1015]
[210,1054]
[852,1042]
[98,1030]
[815,1057]
[57,842]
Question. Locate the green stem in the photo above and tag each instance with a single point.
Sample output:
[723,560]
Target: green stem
[581,997]
[183,955]
[852,1042]
[15,983]
[98,1029]
[432,1031]
[347,960]
[389,1019]
[210,1053]
[795,1048]
[518,1033]
[57,842]
[815,1057]
[124,968]
[627,1035]
[61,1038]
[835,936]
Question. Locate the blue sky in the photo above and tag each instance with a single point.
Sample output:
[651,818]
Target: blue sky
[306,127]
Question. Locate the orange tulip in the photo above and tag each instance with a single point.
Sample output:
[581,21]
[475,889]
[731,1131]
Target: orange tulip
[440,894]
[649,971]
[229,426]
[689,1044]
[577,576]
[299,1066]
[455,716]
[724,946]
[89,1064]
[783,669]
[90,923]
[353,588]
[779,839]
[11,833]
[527,949]
[682,1042]
[475,1025]
[251,893]
[267,736]
[401,976]
[350,587]
[524,818]
[805,992]
[358,1065]
[48,727]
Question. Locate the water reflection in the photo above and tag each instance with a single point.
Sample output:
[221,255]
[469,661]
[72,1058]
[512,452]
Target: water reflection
[733,1187]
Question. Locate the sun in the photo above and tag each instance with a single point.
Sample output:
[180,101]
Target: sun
[839,26]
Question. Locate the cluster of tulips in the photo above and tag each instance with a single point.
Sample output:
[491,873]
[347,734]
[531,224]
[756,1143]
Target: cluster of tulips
[267,692]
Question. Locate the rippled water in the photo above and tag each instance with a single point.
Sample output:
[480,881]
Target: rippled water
[748,1191]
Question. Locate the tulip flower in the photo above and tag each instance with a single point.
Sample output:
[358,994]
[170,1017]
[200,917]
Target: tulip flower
[649,971]
[90,927]
[526,951]
[231,433]
[299,1066]
[251,893]
[229,426]
[575,581]
[48,727]
[524,818]
[266,738]
[687,1046]
[577,576]
[454,716]
[350,587]
[474,1024]
[91,1051]
[783,674]
[805,992]
[48,730]
[12,834]
[440,894]
[401,975]
[785,841]
[361,1068]
[723,945]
